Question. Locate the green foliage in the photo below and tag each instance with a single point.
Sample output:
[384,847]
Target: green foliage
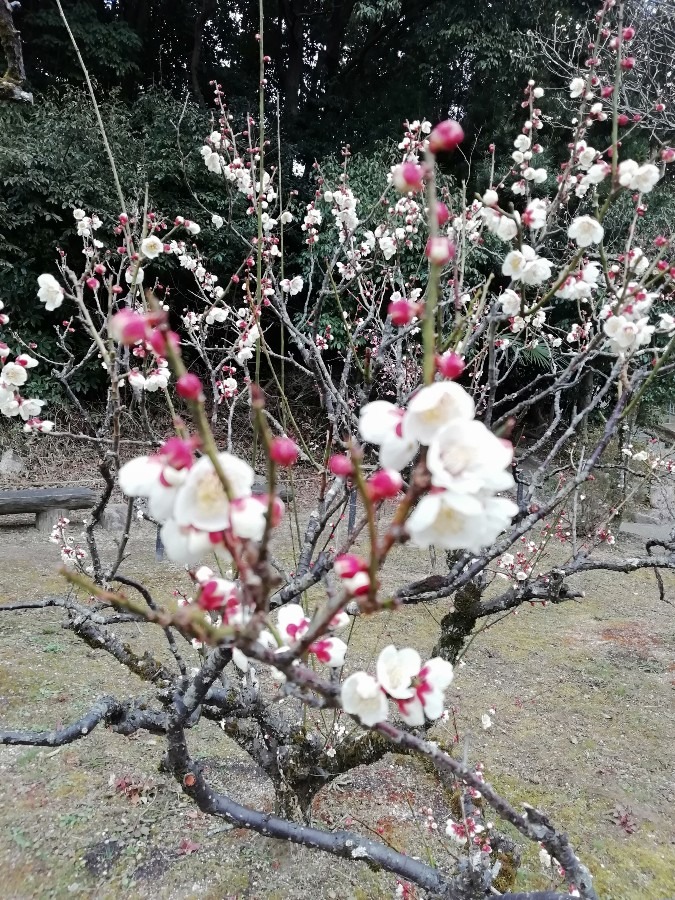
[52,160]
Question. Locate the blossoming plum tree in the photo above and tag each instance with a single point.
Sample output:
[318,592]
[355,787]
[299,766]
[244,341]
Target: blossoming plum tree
[441,299]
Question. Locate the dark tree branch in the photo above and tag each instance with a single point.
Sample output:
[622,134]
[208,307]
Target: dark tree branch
[102,710]
[345,844]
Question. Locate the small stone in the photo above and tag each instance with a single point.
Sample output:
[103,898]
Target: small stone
[574,740]
[11,464]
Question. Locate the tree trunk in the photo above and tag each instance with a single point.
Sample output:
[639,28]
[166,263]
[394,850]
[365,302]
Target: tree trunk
[296,48]
[457,625]
[13,81]
[207,10]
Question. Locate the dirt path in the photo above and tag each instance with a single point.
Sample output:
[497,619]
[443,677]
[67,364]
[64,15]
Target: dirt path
[584,726]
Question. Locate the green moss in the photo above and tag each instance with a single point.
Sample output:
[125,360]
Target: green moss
[508,873]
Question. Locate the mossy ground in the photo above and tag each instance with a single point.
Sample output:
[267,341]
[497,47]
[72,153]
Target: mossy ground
[583,726]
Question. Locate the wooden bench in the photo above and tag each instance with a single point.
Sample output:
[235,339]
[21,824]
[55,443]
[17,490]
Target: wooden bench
[48,504]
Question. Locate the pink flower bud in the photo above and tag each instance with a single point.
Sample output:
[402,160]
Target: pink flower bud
[408,177]
[402,312]
[4,350]
[442,214]
[628,33]
[440,250]
[384,484]
[662,265]
[189,387]
[284,451]
[278,508]
[92,283]
[450,364]
[99,269]
[348,564]
[127,327]
[179,220]
[607,91]
[668,154]
[178,452]
[121,250]
[117,289]
[158,341]
[628,62]
[623,120]
[659,107]
[212,594]
[123,218]
[446,136]
[341,465]
[358,586]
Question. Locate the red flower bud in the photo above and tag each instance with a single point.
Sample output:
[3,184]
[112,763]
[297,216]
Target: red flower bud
[439,250]
[341,465]
[623,120]
[189,387]
[442,214]
[158,341]
[408,177]
[628,33]
[284,451]
[127,327]
[446,136]
[668,154]
[450,364]
[348,564]
[92,283]
[384,484]
[402,312]
[628,62]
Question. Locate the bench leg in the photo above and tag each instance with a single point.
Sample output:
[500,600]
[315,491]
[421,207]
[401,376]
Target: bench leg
[47,519]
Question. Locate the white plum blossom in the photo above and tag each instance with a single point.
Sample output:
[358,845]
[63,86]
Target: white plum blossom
[636,177]
[417,690]
[459,521]
[586,230]
[577,87]
[468,458]
[396,670]
[507,228]
[292,286]
[381,423]
[151,247]
[134,274]
[598,172]
[30,408]
[524,265]
[535,214]
[666,323]
[362,696]
[202,502]
[511,302]
[185,546]
[435,406]
[625,335]
[50,292]
[13,375]
[217,221]
[586,157]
